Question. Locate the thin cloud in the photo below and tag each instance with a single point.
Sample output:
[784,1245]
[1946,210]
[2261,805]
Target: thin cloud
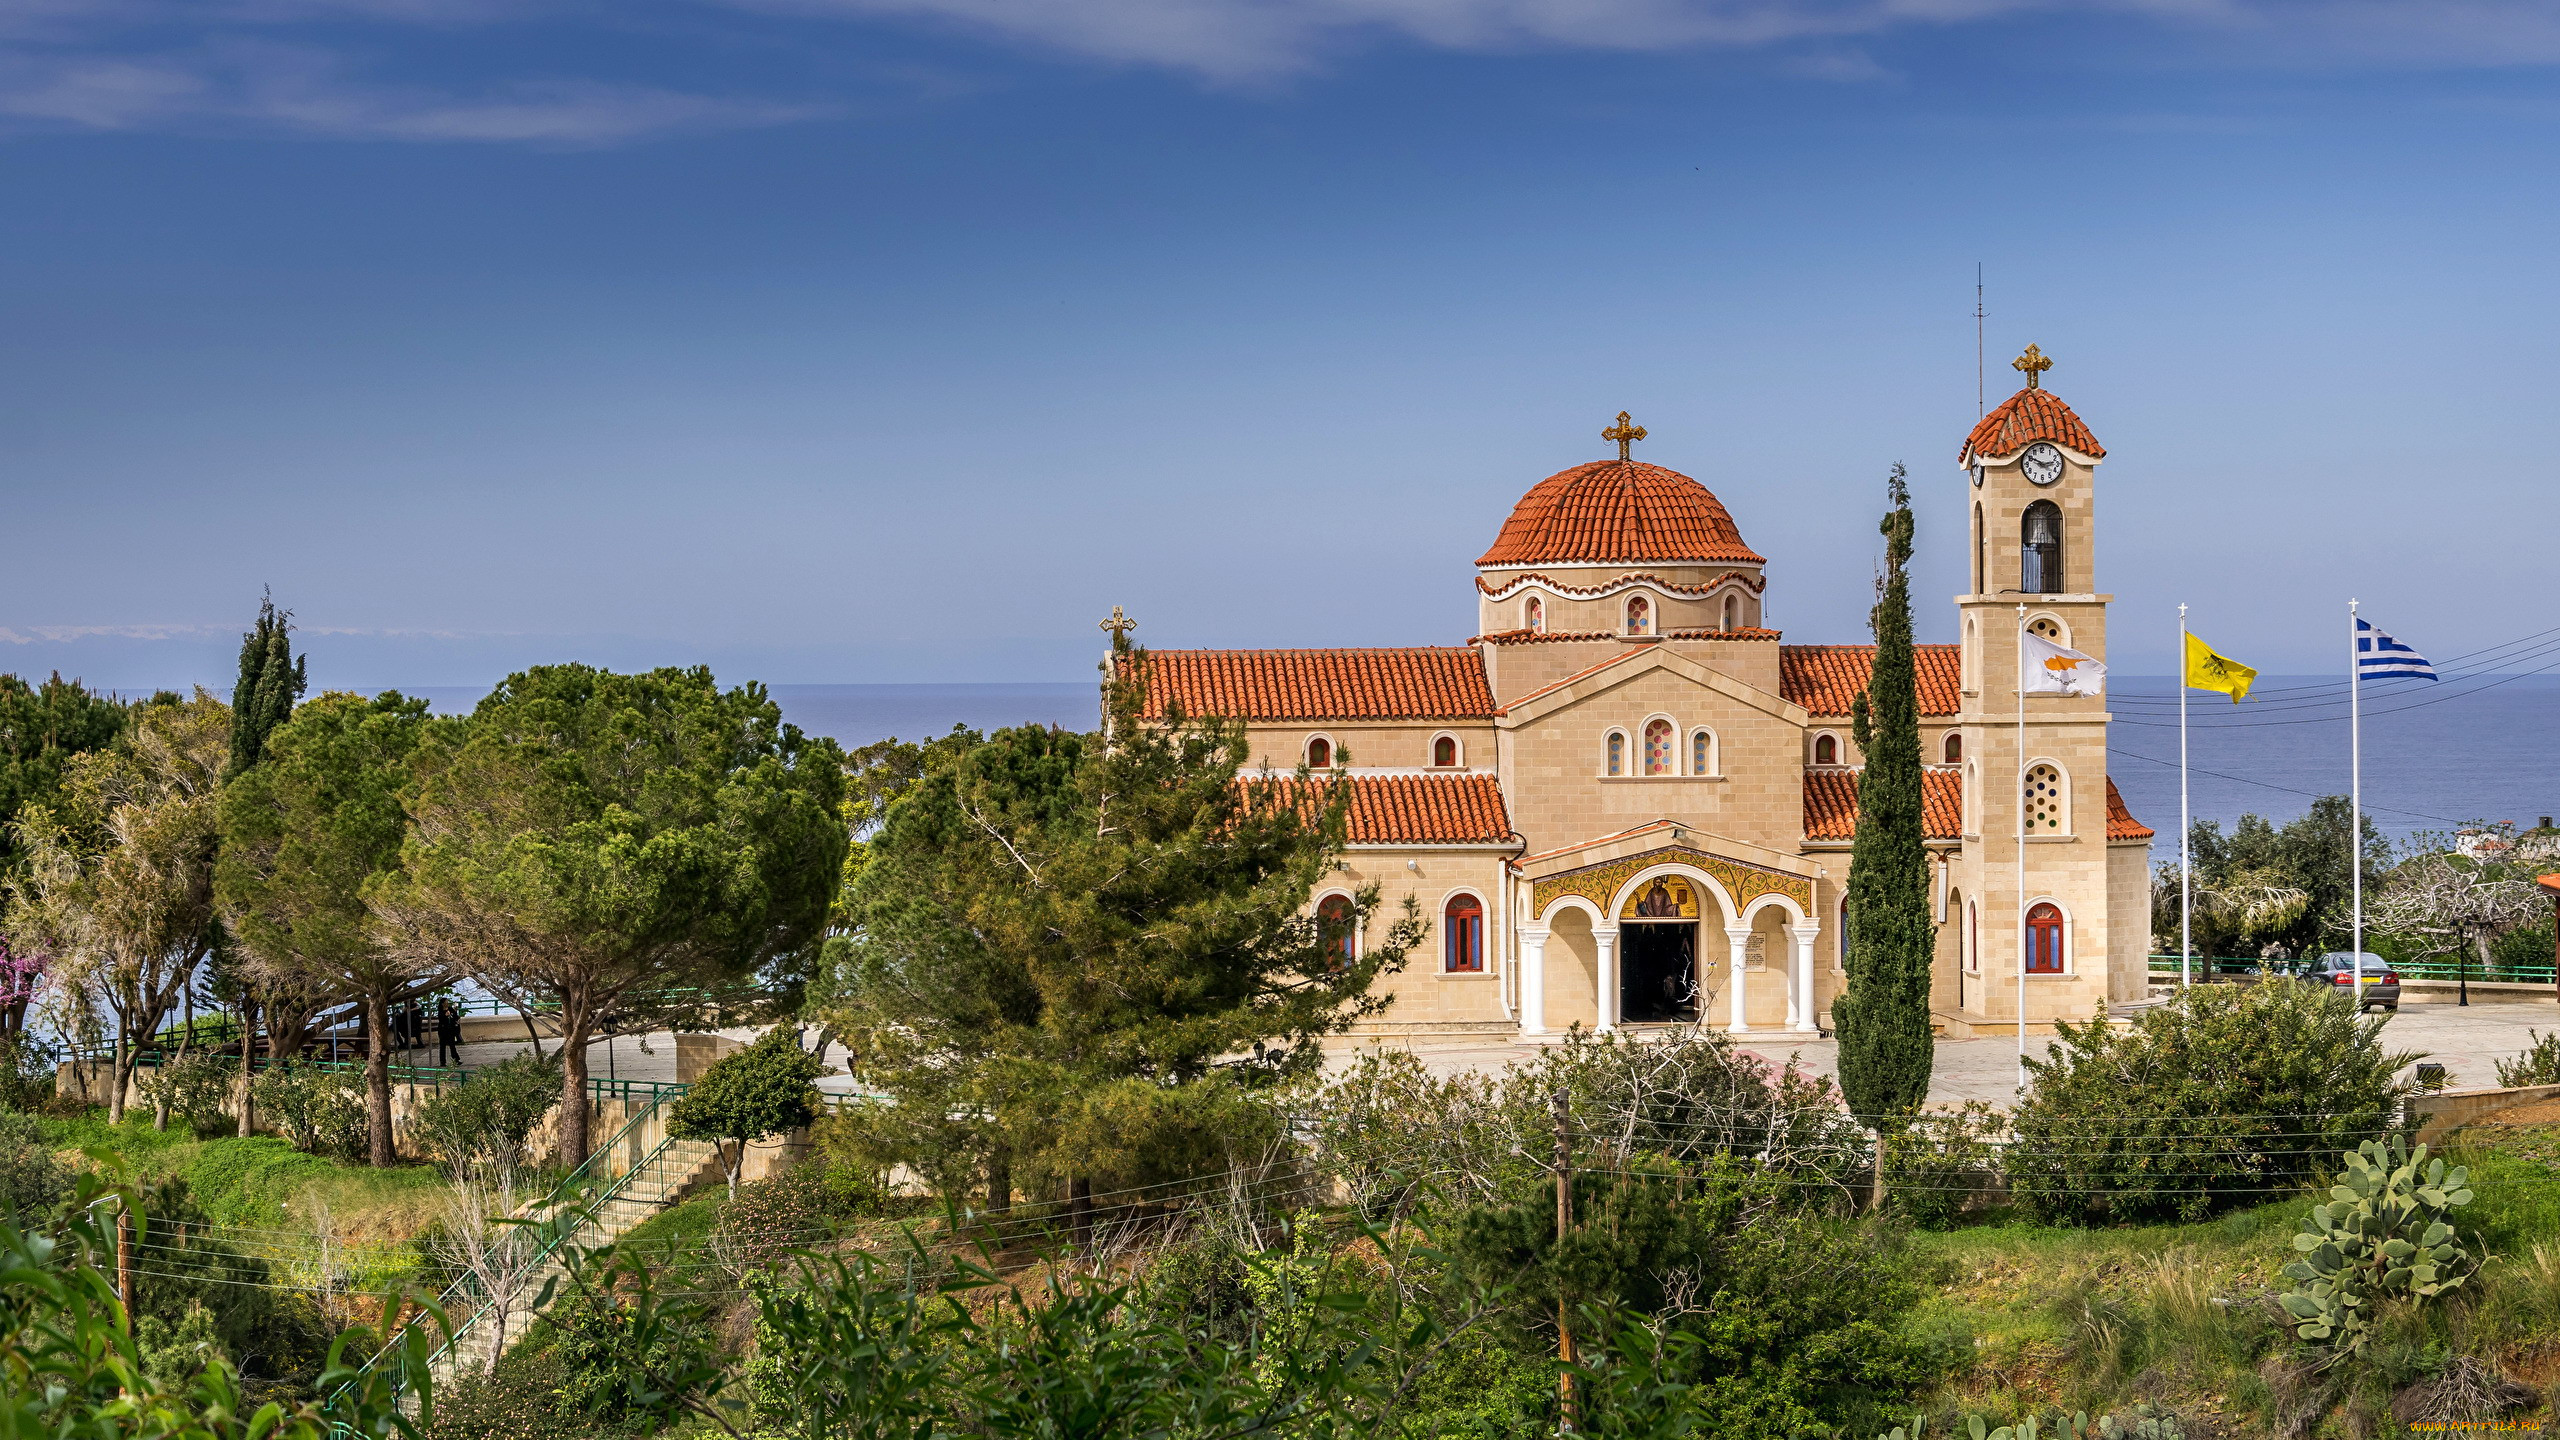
[297,66]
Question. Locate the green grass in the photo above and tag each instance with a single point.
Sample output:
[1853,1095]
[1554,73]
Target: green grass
[681,1226]
[2093,1319]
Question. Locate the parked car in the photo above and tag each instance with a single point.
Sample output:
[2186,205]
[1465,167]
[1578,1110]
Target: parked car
[2338,968]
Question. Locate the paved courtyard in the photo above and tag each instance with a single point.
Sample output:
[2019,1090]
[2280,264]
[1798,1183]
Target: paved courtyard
[2467,1041]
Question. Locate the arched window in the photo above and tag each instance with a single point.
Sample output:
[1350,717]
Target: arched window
[1462,936]
[1733,612]
[1826,750]
[2044,940]
[1972,933]
[1661,748]
[1617,752]
[1954,748]
[2040,552]
[1319,754]
[1444,751]
[1339,928]
[2048,809]
[1639,616]
[1977,550]
[1533,614]
[1702,752]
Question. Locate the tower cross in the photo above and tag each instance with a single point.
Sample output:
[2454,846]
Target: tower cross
[1624,433]
[2033,364]
[1119,625]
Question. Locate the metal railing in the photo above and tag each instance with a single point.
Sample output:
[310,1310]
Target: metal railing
[578,1188]
[2251,965]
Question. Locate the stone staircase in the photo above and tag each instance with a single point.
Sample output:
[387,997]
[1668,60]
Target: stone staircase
[657,1181]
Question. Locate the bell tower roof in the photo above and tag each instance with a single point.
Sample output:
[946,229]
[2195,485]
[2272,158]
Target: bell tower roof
[2031,415]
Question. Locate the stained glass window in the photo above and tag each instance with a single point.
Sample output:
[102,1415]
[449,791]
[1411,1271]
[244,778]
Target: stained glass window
[1534,614]
[2046,813]
[1826,751]
[1320,753]
[1444,751]
[1639,616]
[1702,753]
[1339,928]
[1617,752]
[1660,749]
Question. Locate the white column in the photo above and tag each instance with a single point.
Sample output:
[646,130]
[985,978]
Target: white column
[1533,980]
[1605,1004]
[1738,940]
[1805,1014]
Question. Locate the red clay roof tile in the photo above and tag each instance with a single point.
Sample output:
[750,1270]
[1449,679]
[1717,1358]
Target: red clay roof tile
[1425,683]
[1421,809]
[2120,822]
[1825,678]
[1618,511]
[1831,804]
[2023,419]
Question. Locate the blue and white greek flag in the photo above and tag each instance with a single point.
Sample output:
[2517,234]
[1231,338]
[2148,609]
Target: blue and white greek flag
[2377,654]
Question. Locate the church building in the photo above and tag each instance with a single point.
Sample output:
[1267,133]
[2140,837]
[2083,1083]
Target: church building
[1625,802]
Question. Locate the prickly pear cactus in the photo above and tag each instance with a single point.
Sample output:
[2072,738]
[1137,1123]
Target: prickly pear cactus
[2139,1423]
[2385,1231]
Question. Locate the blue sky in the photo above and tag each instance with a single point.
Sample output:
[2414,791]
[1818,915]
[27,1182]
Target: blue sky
[898,340]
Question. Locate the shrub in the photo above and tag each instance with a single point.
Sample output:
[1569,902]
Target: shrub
[1391,1132]
[32,1182]
[600,1352]
[2225,1096]
[2538,1065]
[484,1121]
[322,1111]
[197,1089]
[1941,1163]
[27,1063]
[802,1206]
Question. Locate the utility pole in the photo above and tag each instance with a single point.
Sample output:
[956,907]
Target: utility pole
[1564,1226]
[124,1258]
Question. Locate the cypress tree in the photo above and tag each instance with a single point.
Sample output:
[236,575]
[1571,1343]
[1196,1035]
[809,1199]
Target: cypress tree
[271,679]
[1883,1019]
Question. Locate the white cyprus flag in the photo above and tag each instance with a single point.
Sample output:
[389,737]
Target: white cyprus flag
[2053,670]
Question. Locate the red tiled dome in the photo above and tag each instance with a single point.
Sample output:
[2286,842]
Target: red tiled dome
[1618,511]
[2022,420]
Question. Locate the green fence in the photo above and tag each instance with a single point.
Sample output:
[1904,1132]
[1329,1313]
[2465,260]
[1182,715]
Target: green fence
[2411,970]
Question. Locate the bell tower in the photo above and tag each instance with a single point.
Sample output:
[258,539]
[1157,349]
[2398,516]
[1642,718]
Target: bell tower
[2037,792]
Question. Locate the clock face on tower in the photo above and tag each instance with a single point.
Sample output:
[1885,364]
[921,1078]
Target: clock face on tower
[2042,463]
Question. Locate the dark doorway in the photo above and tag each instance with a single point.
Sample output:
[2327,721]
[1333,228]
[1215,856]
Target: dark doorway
[1658,973]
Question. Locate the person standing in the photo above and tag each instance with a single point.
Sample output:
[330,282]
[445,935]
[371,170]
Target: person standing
[448,1033]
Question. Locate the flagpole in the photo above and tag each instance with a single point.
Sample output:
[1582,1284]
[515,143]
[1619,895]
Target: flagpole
[2186,862]
[2355,792]
[2018,798]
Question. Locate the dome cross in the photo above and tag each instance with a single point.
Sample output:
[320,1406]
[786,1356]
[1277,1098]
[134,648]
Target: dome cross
[1624,433]
[2033,364]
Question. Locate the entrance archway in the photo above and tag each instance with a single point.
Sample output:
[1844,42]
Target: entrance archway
[1658,949]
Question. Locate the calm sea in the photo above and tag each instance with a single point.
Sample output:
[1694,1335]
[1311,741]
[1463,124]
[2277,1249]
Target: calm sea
[2434,755]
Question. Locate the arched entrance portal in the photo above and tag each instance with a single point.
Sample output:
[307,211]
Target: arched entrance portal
[1658,940]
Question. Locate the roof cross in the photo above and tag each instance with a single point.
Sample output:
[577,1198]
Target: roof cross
[1119,625]
[2034,363]
[1624,433]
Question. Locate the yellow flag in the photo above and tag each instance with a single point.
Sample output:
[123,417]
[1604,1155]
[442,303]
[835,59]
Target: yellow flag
[2210,670]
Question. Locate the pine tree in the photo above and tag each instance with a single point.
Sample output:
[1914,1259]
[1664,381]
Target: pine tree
[1085,960]
[1883,1019]
[271,679]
